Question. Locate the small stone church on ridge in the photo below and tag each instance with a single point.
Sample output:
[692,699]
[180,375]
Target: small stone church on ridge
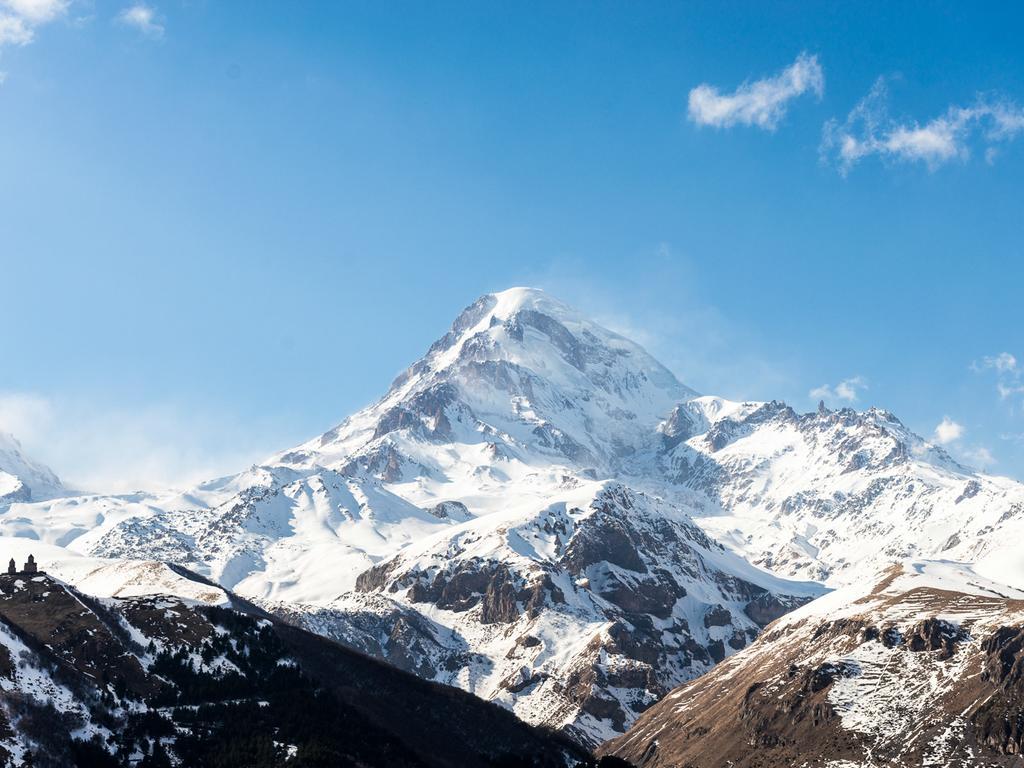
[31,567]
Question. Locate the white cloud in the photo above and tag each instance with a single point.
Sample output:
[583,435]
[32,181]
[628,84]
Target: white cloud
[979,456]
[116,449]
[23,414]
[14,30]
[36,11]
[846,390]
[948,431]
[868,130]
[1009,390]
[762,102]
[1004,362]
[19,19]
[1009,380]
[143,18]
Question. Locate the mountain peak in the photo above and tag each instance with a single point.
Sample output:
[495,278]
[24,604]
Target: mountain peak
[523,368]
[526,330]
[504,317]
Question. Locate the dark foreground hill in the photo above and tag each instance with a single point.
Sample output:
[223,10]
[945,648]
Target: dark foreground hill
[159,681]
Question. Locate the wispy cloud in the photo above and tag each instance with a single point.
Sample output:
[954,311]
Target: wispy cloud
[1004,362]
[978,456]
[1008,370]
[99,447]
[1007,391]
[949,434]
[21,413]
[869,131]
[847,390]
[143,18]
[14,30]
[762,103]
[36,11]
[948,431]
[20,18]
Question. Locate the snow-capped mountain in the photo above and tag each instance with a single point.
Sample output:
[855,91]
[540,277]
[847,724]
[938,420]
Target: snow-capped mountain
[21,478]
[525,514]
[521,371]
[922,665]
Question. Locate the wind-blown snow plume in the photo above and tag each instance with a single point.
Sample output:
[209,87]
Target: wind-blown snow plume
[846,390]
[1009,380]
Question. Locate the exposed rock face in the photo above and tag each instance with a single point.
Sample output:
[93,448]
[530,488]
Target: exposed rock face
[999,721]
[767,607]
[862,682]
[604,539]
[450,510]
[1004,661]
[717,616]
[500,602]
[935,635]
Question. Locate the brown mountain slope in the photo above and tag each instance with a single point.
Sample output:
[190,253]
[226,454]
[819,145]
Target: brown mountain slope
[923,667]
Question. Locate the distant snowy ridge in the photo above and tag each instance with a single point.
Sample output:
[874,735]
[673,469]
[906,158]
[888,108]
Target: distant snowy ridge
[834,495]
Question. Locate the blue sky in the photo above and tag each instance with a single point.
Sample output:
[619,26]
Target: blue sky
[224,226]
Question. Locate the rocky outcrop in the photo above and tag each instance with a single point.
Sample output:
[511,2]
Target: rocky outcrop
[1000,719]
[934,635]
[767,607]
